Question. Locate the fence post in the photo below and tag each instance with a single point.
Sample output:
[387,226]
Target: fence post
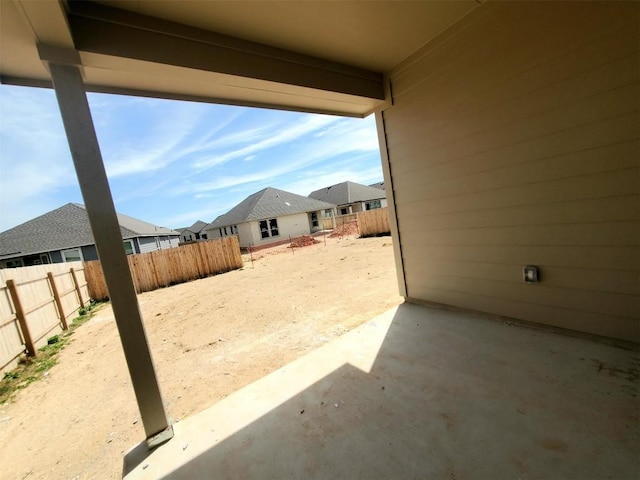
[56,297]
[77,285]
[22,319]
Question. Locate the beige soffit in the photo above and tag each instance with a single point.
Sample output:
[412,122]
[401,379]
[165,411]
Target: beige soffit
[325,57]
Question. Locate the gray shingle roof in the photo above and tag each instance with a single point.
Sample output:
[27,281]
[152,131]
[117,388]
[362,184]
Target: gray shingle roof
[66,227]
[197,226]
[268,203]
[348,192]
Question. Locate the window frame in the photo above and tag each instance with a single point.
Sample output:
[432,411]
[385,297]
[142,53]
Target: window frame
[133,247]
[64,252]
[268,228]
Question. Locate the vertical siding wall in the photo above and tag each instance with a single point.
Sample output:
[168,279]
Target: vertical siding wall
[513,140]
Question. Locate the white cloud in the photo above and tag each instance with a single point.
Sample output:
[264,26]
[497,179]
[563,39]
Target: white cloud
[174,161]
[282,135]
[34,155]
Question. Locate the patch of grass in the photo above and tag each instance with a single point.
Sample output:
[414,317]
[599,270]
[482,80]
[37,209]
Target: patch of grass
[32,369]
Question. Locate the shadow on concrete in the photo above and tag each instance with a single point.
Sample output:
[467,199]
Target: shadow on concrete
[449,396]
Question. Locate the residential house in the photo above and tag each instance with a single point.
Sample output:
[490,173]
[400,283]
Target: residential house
[269,216]
[64,235]
[193,233]
[351,197]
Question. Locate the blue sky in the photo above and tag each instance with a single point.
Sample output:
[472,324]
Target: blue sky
[172,163]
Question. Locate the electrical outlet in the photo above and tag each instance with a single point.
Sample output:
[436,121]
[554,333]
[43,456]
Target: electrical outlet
[530,274]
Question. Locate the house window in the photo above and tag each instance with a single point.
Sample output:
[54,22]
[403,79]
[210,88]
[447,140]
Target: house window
[269,228]
[72,255]
[235,229]
[273,225]
[44,258]
[328,213]
[128,247]
[343,211]
[197,236]
[12,263]
[373,204]
[314,219]
[220,230]
[204,236]
[264,230]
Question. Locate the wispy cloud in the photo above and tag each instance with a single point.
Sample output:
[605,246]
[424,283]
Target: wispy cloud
[354,136]
[262,140]
[172,163]
[34,156]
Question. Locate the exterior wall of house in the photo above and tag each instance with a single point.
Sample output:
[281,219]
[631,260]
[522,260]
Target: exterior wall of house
[151,244]
[245,234]
[513,141]
[168,241]
[288,225]
[213,233]
[147,244]
[357,207]
[187,236]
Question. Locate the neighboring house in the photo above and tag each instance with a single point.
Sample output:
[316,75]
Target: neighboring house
[378,185]
[269,216]
[350,197]
[64,235]
[193,233]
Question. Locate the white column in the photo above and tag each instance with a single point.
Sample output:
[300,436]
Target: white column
[87,159]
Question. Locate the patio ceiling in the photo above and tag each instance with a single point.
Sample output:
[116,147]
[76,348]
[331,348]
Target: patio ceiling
[311,56]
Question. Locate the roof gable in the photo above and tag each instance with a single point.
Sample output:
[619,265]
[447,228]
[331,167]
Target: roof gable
[197,226]
[268,203]
[66,227]
[348,192]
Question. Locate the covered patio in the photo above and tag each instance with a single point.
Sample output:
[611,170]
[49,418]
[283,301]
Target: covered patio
[509,139]
[420,392]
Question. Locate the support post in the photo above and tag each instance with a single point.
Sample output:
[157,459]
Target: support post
[56,298]
[77,285]
[87,160]
[22,318]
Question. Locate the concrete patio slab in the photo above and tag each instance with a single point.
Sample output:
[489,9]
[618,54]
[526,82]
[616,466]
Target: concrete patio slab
[421,393]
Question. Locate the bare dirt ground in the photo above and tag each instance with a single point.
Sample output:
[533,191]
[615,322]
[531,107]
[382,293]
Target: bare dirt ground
[208,338]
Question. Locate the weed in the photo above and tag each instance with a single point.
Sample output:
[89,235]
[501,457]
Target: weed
[31,369]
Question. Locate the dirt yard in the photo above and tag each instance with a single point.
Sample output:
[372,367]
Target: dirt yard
[208,338]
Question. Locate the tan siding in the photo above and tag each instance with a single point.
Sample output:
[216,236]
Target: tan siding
[597,259]
[513,140]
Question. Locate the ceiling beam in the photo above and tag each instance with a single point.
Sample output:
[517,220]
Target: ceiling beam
[111,31]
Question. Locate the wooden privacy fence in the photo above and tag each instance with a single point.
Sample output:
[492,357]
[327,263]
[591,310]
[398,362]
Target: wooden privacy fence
[373,222]
[170,266]
[35,301]
[329,223]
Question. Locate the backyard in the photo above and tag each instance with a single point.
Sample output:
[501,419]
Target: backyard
[209,338]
